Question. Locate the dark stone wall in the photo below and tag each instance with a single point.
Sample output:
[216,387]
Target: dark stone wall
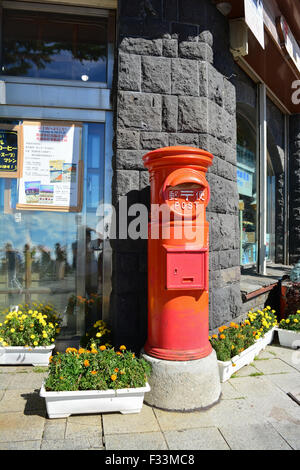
[174,73]
[294,193]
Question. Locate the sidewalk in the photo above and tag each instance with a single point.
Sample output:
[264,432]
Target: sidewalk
[255,412]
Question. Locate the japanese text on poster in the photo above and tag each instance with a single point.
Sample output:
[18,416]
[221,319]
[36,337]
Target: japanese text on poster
[51,157]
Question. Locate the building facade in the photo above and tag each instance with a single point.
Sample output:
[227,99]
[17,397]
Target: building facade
[136,76]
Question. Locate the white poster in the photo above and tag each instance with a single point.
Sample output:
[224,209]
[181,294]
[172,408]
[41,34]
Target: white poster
[254,17]
[50,173]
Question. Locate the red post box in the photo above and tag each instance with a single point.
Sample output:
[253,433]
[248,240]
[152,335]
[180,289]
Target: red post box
[178,248]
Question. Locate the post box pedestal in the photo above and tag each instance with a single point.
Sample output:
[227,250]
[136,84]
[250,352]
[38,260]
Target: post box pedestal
[183,385]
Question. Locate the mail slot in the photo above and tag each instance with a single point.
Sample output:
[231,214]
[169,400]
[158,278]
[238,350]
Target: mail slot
[186,269]
[178,257]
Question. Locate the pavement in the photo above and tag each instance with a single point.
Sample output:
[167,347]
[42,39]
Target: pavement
[259,410]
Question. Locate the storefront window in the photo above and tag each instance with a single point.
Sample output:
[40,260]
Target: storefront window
[271,211]
[48,45]
[246,178]
[56,257]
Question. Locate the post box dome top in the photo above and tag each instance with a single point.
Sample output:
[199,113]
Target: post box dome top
[178,155]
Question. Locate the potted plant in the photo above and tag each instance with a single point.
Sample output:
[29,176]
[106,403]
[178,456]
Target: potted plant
[97,336]
[289,331]
[235,347]
[95,381]
[264,322]
[27,334]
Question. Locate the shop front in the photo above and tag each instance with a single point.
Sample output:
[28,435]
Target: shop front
[55,100]
[120,79]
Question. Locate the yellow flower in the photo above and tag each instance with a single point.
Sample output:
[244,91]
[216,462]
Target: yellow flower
[32,336]
[12,330]
[113,377]
[287,320]
[295,320]
[35,343]
[122,348]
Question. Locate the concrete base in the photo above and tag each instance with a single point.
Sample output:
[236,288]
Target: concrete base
[183,385]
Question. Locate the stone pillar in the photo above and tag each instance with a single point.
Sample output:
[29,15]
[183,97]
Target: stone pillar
[174,88]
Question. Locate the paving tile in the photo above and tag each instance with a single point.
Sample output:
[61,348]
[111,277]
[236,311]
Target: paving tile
[290,432]
[116,423]
[253,437]
[5,381]
[233,411]
[54,429]
[20,445]
[229,392]
[21,427]
[25,400]
[270,402]
[21,381]
[196,439]
[82,443]
[290,356]
[134,441]
[285,382]
[273,366]
[84,426]
[245,371]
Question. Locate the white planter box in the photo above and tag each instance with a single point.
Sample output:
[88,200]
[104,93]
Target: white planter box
[263,342]
[289,338]
[15,355]
[226,369]
[64,404]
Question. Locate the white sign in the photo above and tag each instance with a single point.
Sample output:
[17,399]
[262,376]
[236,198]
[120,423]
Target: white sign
[254,17]
[289,42]
[51,157]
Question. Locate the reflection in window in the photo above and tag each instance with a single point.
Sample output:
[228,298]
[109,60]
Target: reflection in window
[246,178]
[271,211]
[56,257]
[54,46]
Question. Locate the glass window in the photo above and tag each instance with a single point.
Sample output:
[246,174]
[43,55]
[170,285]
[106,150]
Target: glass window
[47,45]
[56,257]
[271,211]
[246,179]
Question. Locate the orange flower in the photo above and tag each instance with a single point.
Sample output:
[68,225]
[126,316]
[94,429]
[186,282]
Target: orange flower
[122,348]
[81,351]
[69,350]
[215,336]
[102,348]
[86,363]
[50,358]
[93,372]
[119,353]
[221,329]
[113,377]
[116,370]
[233,364]
[94,351]
[222,336]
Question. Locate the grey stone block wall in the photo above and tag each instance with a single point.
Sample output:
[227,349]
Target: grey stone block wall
[294,195]
[173,88]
